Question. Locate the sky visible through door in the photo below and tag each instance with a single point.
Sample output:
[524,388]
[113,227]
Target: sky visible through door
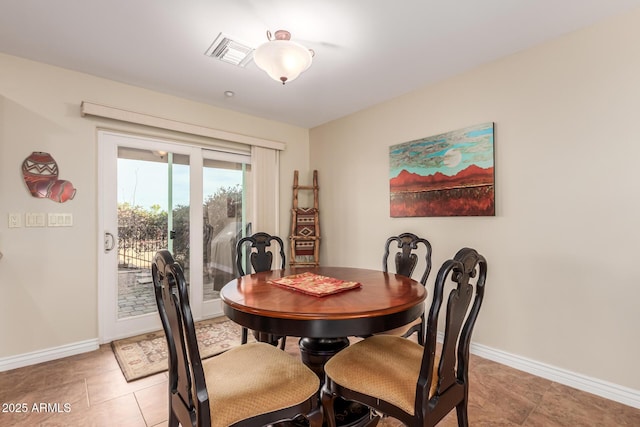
[146,193]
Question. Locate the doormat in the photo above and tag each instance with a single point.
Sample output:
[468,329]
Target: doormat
[146,354]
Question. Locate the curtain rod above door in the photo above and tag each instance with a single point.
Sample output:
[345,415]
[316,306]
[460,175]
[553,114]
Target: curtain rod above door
[92,109]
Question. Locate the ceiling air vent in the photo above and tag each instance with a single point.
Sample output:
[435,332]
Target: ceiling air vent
[231,51]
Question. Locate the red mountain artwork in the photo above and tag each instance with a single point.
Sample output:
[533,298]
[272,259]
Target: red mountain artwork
[470,192]
[472,175]
[449,174]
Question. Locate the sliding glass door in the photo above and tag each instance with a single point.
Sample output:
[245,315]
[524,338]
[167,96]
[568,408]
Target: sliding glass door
[149,193]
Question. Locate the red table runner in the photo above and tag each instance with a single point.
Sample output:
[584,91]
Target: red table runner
[314,284]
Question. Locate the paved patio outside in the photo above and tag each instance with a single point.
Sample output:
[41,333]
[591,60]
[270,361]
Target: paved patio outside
[136,295]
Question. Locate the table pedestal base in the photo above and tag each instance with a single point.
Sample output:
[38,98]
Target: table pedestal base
[315,352]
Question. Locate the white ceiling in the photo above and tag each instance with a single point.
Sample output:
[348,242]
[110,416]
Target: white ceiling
[366,51]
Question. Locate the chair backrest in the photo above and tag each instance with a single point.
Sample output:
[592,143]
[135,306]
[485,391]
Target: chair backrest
[406,259]
[261,258]
[453,366]
[188,398]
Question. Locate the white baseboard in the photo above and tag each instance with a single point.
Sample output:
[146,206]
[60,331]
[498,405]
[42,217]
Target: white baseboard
[618,393]
[26,359]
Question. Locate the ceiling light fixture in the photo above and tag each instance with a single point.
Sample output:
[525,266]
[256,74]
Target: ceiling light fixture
[282,59]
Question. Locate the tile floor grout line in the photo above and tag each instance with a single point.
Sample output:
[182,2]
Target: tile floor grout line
[537,405]
[146,423]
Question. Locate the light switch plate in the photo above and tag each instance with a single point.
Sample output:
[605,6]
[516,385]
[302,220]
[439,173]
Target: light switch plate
[15,220]
[60,220]
[34,219]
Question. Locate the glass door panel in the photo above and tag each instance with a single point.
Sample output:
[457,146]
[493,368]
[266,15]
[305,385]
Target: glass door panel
[153,214]
[225,209]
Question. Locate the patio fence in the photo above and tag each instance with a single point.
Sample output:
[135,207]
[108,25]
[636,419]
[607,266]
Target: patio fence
[138,254]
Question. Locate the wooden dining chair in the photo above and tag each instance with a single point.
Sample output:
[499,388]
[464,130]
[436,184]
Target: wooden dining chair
[406,260]
[249,385]
[258,253]
[415,384]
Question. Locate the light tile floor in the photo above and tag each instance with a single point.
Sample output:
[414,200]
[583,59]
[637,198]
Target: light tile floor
[90,390]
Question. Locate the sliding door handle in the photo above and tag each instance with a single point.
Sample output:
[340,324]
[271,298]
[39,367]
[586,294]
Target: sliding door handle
[109,242]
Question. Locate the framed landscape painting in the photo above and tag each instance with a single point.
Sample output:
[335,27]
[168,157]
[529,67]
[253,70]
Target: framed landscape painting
[450,174]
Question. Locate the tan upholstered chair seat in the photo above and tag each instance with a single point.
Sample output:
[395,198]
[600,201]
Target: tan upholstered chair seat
[383,366]
[239,388]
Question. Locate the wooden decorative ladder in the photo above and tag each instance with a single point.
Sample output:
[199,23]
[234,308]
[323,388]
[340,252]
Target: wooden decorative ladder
[305,227]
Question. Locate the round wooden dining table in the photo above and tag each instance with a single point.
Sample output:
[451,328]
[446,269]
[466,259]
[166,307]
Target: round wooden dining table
[383,301]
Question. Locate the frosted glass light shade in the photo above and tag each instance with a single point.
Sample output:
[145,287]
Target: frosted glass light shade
[282,59]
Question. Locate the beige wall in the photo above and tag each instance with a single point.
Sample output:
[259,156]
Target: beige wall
[48,276]
[563,286]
